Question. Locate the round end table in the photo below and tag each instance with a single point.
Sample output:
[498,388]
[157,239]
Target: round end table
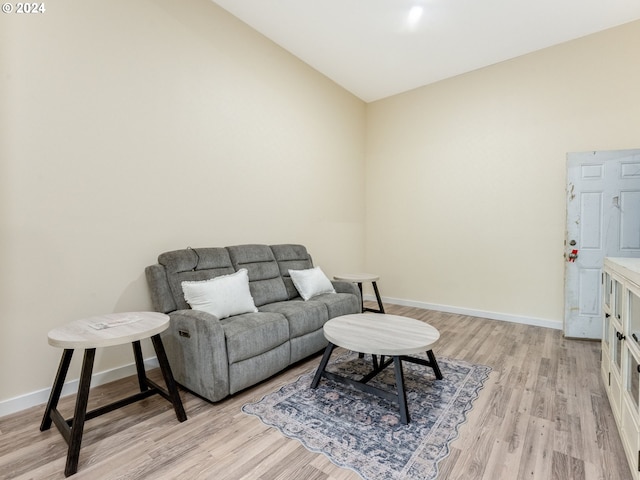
[361,278]
[105,331]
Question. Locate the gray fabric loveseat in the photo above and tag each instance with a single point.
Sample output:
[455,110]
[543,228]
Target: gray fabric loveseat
[216,357]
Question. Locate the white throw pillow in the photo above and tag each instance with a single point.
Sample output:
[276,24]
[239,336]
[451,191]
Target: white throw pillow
[221,296]
[311,282]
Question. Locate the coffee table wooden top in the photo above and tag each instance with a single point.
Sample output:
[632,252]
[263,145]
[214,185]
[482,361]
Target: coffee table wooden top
[107,330]
[381,334]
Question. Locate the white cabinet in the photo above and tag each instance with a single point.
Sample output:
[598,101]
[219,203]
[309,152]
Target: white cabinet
[621,350]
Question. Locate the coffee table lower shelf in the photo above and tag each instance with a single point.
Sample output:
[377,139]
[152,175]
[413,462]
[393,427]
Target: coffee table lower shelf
[399,396]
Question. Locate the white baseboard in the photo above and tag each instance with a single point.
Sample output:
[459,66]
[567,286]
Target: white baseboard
[537,322]
[41,397]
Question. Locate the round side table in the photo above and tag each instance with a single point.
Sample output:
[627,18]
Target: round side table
[360,278]
[97,332]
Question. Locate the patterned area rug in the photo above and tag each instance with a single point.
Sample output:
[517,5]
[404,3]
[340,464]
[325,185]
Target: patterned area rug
[363,432]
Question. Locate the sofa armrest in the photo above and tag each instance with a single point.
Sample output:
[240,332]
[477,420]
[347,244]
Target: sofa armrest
[196,348]
[347,287]
[159,290]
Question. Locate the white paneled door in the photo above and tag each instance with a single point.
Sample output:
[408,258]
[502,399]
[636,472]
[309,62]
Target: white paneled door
[603,220]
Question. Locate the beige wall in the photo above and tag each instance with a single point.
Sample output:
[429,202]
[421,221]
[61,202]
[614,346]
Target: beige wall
[132,128]
[466,177]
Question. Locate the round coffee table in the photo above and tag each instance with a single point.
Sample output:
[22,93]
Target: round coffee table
[380,335]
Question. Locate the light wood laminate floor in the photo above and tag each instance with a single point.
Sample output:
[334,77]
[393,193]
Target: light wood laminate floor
[543,414]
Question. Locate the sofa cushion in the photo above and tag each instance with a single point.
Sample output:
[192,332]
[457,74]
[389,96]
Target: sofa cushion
[248,372]
[291,257]
[302,347]
[339,303]
[252,334]
[193,264]
[311,282]
[221,296]
[303,317]
[265,281]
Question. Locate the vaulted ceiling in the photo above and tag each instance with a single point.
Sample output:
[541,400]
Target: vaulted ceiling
[378,48]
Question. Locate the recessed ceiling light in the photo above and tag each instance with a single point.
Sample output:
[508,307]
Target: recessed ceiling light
[415,14]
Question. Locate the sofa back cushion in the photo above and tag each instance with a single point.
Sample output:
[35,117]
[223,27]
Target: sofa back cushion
[291,257]
[265,282]
[193,264]
[268,270]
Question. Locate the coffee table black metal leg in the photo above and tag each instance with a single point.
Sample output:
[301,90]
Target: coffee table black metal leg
[402,396]
[56,390]
[434,364]
[323,365]
[374,359]
[79,414]
[172,387]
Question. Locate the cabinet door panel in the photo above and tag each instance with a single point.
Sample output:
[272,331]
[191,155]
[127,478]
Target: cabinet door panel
[606,333]
[629,436]
[617,344]
[634,314]
[632,382]
[617,299]
[616,395]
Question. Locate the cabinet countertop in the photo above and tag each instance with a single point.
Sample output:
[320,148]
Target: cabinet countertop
[625,266]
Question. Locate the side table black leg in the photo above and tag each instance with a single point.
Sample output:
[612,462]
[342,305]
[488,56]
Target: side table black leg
[172,387]
[323,364]
[375,289]
[142,376]
[402,396]
[434,365]
[56,390]
[79,414]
